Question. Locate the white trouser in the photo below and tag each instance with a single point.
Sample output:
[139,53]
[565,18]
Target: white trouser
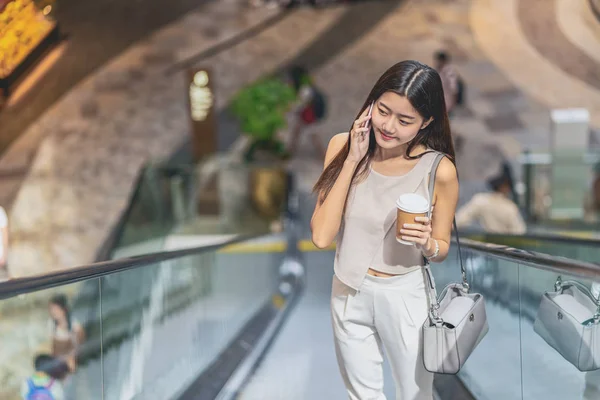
[388,311]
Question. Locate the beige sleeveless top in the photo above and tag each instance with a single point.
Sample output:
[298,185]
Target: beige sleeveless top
[367,237]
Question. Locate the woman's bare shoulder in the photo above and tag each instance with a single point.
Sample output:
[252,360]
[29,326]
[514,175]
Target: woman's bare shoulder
[339,140]
[446,172]
[336,144]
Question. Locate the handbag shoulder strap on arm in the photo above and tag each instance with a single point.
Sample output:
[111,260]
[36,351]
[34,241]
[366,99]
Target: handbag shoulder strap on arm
[432,174]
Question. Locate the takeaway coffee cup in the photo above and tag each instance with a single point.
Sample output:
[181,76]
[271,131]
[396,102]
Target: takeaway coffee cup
[410,206]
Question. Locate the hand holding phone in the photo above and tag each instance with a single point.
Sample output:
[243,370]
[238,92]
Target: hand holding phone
[367,123]
[359,136]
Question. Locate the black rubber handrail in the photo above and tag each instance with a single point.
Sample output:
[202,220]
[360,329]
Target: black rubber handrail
[18,286]
[533,258]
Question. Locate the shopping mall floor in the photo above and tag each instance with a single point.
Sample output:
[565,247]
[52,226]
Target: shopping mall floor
[120,92]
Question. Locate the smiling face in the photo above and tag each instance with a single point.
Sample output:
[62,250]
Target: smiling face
[395,121]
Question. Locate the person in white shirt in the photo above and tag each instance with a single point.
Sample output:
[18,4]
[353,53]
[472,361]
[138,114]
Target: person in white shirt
[3,243]
[494,211]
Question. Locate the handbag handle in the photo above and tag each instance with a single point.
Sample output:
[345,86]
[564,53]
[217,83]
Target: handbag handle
[435,305]
[560,285]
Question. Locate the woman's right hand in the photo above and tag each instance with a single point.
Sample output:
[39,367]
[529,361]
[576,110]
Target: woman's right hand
[359,137]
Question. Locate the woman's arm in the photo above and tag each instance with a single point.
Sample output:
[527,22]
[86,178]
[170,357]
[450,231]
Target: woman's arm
[446,198]
[78,334]
[327,217]
[4,256]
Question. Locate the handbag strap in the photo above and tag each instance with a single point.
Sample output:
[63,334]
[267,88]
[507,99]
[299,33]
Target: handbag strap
[463,271]
[431,282]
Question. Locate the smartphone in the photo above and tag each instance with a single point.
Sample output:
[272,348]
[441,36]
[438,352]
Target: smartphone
[368,123]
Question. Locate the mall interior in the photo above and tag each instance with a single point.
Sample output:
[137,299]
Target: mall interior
[157,164]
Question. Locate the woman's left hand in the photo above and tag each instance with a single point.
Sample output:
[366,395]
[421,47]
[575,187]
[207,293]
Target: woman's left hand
[418,233]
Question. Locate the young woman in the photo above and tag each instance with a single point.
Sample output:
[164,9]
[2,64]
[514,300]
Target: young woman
[67,332]
[378,296]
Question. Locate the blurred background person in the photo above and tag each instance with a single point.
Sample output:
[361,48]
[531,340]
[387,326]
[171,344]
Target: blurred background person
[67,332]
[310,109]
[3,244]
[453,95]
[494,211]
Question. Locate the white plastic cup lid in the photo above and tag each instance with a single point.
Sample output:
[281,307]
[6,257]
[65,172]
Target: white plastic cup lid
[412,203]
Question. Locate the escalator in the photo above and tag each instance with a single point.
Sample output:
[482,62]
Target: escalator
[247,317]
[161,311]
[512,362]
[233,321]
[159,322]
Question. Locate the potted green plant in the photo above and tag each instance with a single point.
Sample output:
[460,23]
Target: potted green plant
[261,111]
[260,108]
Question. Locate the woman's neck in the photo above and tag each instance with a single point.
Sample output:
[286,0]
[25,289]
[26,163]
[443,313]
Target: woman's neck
[397,152]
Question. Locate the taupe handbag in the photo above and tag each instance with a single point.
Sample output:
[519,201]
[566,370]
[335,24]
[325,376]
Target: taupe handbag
[457,320]
[568,319]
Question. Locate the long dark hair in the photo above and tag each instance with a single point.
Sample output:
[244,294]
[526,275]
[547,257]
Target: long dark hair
[504,177]
[61,301]
[422,86]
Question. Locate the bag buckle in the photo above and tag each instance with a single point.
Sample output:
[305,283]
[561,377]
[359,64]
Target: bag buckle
[558,284]
[466,287]
[433,313]
[435,318]
[465,282]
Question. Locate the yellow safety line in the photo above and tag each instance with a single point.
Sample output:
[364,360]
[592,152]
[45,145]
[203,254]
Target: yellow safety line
[308,246]
[578,234]
[272,247]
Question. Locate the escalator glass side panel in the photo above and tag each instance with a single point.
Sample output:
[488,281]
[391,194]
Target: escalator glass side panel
[181,315]
[546,373]
[513,360]
[140,333]
[482,377]
[52,338]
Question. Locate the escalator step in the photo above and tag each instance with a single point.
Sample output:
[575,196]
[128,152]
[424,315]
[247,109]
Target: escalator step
[208,385]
